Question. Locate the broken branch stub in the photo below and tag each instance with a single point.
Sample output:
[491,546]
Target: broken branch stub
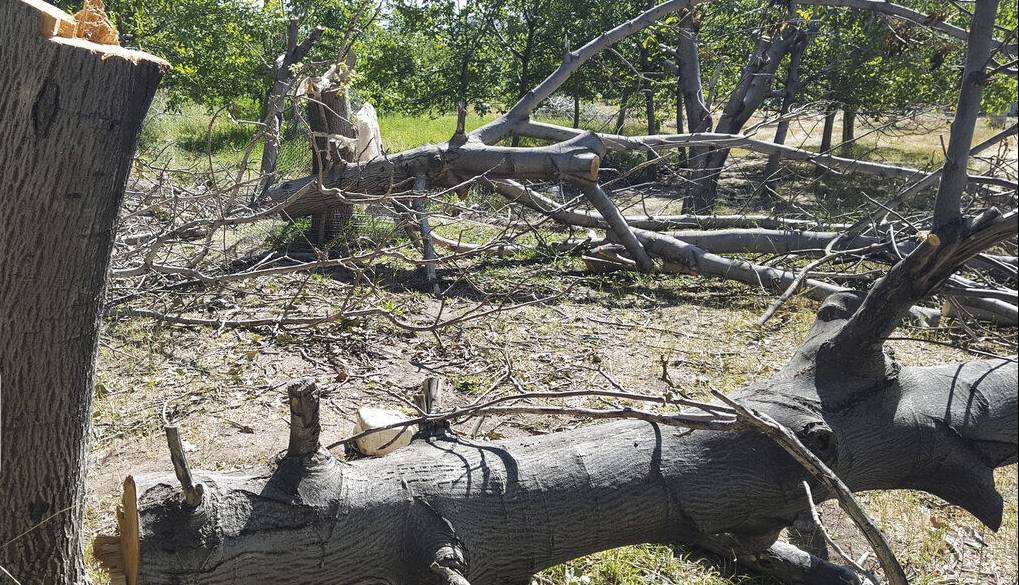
[429,399]
[305,427]
[192,491]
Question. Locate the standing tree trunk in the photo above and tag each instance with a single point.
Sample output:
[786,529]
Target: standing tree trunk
[576,110]
[72,111]
[753,87]
[788,96]
[826,134]
[829,128]
[624,103]
[680,121]
[525,57]
[848,131]
[698,114]
[650,113]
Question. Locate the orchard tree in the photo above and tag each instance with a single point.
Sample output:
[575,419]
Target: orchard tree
[221,50]
[439,55]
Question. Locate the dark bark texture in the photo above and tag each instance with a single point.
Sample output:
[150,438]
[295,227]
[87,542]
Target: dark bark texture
[515,507]
[71,112]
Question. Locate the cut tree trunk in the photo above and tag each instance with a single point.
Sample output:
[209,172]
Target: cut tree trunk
[72,112]
[455,511]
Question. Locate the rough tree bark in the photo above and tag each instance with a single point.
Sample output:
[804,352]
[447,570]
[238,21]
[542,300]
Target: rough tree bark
[329,116]
[450,510]
[830,111]
[498,512]
[848,130]
[72,111]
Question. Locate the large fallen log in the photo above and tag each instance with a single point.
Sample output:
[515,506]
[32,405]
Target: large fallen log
[442,164]
[498,512]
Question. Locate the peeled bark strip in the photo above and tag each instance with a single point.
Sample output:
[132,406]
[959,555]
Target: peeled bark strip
[71,113]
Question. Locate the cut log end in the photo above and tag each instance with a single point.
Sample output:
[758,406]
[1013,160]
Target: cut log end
[120,554]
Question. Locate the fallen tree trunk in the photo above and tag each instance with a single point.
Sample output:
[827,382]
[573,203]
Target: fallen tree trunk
[498,512]
[697,252]
[443,164]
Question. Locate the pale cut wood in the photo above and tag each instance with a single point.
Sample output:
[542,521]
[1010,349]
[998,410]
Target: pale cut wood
[128,525]
[119,554]
[53,22]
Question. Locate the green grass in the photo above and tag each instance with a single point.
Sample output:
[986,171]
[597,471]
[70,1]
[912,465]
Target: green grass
[402,132]
[638,565]
[185,137]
